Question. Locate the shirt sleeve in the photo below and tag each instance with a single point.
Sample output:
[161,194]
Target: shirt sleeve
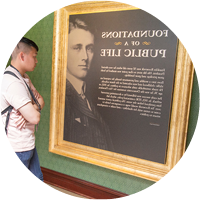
[17,95]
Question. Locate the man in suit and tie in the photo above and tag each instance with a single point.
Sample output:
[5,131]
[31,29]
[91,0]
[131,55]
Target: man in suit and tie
[83,124]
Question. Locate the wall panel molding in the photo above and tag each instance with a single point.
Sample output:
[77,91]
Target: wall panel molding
[78,186]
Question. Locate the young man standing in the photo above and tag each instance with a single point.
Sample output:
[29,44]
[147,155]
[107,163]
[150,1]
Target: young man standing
[24,114]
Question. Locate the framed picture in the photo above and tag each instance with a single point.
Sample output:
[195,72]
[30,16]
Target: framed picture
[120,91]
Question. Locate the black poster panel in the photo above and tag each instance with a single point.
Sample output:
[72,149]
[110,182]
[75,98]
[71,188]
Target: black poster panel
[130,82]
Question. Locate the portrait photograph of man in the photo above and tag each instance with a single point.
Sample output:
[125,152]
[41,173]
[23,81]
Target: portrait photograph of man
[83,124]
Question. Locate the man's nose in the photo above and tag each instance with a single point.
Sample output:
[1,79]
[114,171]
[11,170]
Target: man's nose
[84,54]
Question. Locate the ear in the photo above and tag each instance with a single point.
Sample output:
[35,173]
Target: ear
[21,56]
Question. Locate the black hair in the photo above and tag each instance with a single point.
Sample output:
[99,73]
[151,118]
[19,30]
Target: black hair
[84,23]
[29,43]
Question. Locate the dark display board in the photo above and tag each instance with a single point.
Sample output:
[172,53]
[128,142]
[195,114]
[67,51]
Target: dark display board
[131,80]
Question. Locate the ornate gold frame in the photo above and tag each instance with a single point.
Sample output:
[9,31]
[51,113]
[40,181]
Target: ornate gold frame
[126,164]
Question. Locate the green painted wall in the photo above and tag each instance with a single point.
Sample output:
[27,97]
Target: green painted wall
[42,34]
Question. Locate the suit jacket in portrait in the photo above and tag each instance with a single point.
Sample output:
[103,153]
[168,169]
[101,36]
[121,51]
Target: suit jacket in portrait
[82,125]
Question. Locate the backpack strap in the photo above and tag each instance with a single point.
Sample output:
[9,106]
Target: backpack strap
[34,99]
[11,73]
[30,91]
[9,108]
